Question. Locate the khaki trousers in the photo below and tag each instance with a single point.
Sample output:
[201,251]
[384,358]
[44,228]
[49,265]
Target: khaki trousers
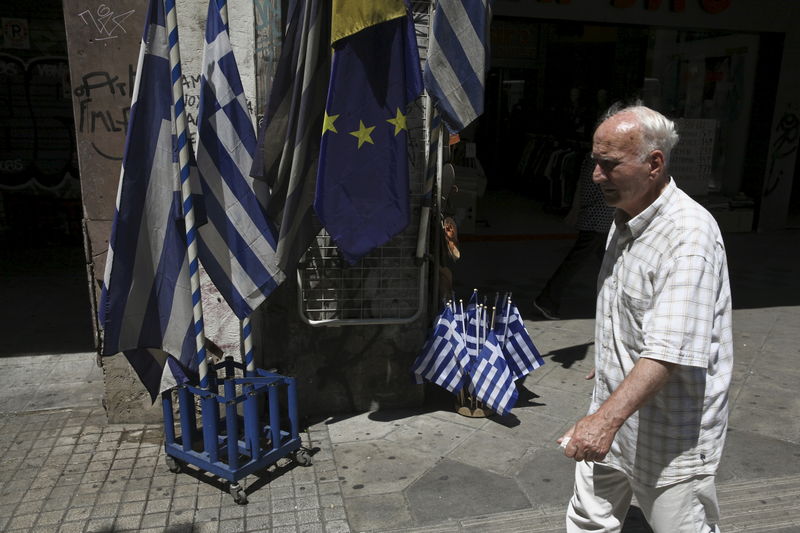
[603,494]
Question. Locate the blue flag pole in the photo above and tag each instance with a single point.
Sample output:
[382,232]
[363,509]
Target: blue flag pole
[186,191]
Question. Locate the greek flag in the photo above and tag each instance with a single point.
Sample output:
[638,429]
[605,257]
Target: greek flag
[237,245]
[146,298]
[458,59]
[444,358]
[471,317]
[289,138]
[491,380]
[520,353]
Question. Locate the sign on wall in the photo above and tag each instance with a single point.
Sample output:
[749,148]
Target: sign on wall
[691,160]
[15,33]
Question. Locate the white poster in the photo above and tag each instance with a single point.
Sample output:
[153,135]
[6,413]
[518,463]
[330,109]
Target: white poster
[691,160]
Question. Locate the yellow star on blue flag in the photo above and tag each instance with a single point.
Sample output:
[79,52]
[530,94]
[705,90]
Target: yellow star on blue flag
[327,123]
[362,186]
[399,122]
[363,133]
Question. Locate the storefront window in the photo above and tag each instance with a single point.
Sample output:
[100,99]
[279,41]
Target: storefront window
[705,81]
[550,86]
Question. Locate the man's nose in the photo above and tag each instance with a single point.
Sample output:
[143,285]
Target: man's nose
[597,174]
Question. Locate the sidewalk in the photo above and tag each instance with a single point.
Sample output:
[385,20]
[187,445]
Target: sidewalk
[439,471]
[64,468]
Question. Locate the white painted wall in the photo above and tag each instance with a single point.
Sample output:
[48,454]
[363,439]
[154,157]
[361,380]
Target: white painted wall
[191,28]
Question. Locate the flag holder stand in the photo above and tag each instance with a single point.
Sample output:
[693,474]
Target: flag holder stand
[469,406]
[240,431]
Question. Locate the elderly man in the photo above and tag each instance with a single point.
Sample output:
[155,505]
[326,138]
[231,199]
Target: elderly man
[663,347]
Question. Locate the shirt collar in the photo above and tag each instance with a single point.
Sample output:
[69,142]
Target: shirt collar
[640,222]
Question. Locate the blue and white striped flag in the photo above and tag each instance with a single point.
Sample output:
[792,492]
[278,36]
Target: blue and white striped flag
[146,299]
[471,325]
[458,60]
[491,381]
[289,139]
[237,245]
[520,353]
[444,358]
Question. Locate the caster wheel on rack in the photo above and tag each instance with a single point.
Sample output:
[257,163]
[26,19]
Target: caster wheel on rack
[172,463]
[238,494]
[302,457]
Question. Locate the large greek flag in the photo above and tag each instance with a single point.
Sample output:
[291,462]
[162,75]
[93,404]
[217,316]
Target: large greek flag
[458,59]
[146,299]
[237,245]
[289,139]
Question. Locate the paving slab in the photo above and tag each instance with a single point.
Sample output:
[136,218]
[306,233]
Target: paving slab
[453,490]
[379,512]
[750,455]
[378,467]
[359,427]
[428,435]
[546,476]
[491,452]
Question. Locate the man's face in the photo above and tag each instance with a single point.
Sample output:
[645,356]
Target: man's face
[627,182]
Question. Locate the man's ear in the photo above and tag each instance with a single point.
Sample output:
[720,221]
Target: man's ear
[657,163]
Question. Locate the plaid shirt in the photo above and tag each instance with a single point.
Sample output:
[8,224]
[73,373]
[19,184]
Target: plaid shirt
[663,293]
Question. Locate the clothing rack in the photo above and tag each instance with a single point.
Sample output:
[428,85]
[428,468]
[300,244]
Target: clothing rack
[549,167]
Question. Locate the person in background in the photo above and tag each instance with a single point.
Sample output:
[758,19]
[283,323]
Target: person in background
[592,217]
[663,344]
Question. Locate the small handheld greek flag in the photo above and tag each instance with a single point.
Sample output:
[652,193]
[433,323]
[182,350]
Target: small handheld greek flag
[491,380]
[517,346]
[444,358]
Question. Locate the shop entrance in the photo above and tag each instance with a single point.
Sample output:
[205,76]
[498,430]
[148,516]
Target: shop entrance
[550,83]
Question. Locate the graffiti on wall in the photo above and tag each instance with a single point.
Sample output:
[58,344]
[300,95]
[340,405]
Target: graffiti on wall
[107,23]
[38,142]
[99,113]
[784,145]
[191,97]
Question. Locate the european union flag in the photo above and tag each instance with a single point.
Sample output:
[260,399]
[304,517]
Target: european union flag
[362,179]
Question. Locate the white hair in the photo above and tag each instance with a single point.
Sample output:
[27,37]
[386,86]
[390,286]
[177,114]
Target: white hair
[658,132]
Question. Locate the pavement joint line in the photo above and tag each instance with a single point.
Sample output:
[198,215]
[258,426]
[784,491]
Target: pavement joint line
[767,516]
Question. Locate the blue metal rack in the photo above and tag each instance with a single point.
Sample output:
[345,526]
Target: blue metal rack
[233,444]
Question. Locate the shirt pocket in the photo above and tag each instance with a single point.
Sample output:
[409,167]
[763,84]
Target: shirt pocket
[631,312]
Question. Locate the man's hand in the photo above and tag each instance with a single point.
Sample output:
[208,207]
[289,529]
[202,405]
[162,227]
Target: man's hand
[590,438]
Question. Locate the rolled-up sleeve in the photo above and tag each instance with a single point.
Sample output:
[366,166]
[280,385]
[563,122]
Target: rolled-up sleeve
[678,327]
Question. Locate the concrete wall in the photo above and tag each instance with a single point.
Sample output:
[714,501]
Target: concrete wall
[103,44]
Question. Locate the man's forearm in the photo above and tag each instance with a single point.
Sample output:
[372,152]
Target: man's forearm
[645,380]
[591,437]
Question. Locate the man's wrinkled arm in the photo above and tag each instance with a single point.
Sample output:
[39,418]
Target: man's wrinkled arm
[591,437]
